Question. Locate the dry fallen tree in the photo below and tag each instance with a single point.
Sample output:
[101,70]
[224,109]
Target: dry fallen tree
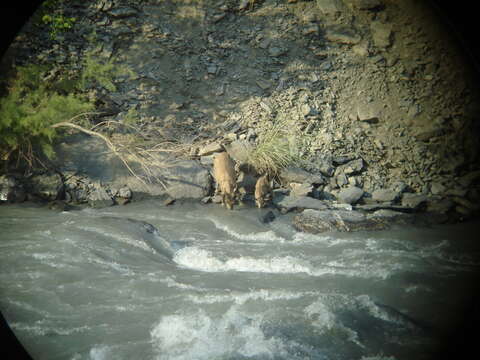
[129,153]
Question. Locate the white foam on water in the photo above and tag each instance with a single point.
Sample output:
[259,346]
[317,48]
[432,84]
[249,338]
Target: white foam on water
[263,236]
[197,335]
[324,320]
[101,352]
[195,258]
[242,298]
[203,260]
[40,329]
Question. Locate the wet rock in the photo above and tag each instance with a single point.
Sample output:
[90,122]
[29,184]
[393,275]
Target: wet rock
[246,181]
[123,195]
[210,149]
[297,175]
[289,203]
[7,185]
[99,198]
[318,221]
[414,201]
[268,217]
[58,205]
[46,186]
[350,195]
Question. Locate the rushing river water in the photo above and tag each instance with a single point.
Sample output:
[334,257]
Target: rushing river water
[212,284]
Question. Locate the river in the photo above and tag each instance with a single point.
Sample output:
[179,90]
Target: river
[194,281]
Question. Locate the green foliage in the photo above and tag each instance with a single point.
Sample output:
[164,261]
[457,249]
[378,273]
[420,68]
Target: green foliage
[52,15]
[100,72]
[28,111]
[277,148]
[132,117]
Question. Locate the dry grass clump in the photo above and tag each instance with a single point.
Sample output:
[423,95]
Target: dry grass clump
[276,149]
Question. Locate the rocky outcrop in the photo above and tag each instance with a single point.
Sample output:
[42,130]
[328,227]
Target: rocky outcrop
[346,72]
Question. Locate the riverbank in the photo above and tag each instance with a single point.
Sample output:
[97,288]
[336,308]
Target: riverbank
[378,94]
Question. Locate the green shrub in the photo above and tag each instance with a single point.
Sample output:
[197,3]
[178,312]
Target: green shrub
[100,72]
[51,14]
[29,110]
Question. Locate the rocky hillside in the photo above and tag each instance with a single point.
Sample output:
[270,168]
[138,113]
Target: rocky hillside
[380,83]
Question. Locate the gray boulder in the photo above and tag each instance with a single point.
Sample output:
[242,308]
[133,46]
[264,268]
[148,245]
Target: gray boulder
[289,203]
[318,221]
[350,195]
[99,198]
[385,195]
[187,180]
[414,201]
[46,186]
[295,174]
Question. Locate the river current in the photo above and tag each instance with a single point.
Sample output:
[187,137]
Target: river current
[194,281]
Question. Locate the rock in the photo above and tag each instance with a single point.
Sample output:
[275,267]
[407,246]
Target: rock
[352,167]
[268,217]
[210,149]
[325,167]
[381,34]
[329,7]
[399,218]
[301,189]
[7,185]
[341,179]
[440,205]
[169,201]
[383,206]
[294,174]
[46,186]
[414,201]
[239,150]
[342,159]
[206,160]
[385,195]
[275,51]
[350,195]
[437,188]
[365,4]
[289,203]
[318,221]
[122,12]
[187,179]
[123,195]
[247,181]
[58,205]
[342,35]
[99,198]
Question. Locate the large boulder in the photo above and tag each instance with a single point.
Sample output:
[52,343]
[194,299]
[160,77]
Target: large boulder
[48,186]
[350,195]
[318,221]
[186,180]
[289,203]
[295,174]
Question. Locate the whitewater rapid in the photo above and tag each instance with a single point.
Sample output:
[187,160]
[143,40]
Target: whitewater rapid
[145,281]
